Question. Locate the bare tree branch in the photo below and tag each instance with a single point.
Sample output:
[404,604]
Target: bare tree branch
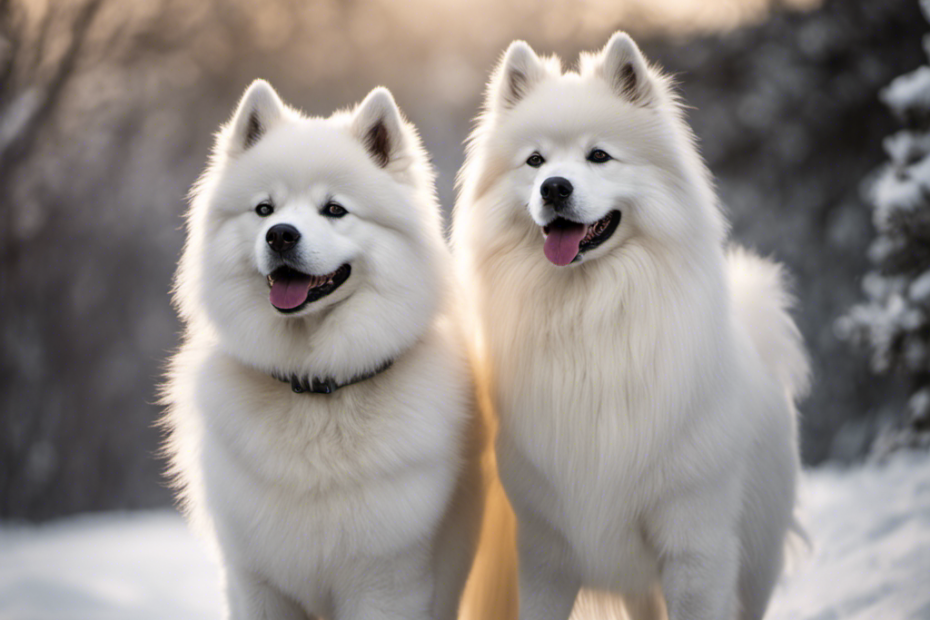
[9,45]
[32,107]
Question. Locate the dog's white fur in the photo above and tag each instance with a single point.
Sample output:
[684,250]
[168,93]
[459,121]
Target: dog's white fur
[646,393]
[360,504]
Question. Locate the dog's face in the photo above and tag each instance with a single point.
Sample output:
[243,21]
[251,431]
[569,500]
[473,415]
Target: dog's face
[289,220]
[297,228]
[575,178]
[305,219]
[590,159]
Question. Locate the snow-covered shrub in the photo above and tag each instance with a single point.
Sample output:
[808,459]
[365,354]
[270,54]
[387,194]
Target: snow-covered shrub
[894,321]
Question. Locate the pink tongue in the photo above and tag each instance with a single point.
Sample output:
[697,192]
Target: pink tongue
[561,245]
[288,293]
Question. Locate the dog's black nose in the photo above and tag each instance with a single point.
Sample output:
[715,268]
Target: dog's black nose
[556,190]
[282,237]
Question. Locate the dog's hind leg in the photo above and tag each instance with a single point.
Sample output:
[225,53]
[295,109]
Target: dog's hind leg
[763,552]
[766,519]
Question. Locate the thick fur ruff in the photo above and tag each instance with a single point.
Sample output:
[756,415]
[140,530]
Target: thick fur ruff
[645,393]
[358,504]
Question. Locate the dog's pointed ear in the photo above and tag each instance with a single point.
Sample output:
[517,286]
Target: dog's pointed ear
[623,66]
[519,70]
[259,109]
[378,125]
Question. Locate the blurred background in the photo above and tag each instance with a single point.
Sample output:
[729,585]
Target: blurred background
[107,110]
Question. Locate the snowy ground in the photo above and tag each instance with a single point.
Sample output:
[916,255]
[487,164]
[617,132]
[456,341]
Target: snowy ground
[134,566]
[871,532]
[871,561]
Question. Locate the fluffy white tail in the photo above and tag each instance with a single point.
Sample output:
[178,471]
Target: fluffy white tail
[761,303]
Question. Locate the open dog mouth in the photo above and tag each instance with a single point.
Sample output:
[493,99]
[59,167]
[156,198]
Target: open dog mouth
[292,290]
[566,240]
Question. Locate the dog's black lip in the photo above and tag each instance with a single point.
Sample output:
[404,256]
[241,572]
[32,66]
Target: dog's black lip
[615,217]
[590,244]
[339,277]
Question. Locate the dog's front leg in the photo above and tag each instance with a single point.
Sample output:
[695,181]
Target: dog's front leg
[548,586]
[389,588]
[251,598]
[410,604]
[699,549]
[701,586]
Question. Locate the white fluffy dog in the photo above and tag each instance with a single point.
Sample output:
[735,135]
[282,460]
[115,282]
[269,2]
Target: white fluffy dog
[644,378]
[322,420]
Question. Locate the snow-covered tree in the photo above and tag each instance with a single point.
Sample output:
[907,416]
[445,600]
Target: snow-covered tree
[894,321]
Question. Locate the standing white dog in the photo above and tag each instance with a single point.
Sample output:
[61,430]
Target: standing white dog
[644,379]
[322,413]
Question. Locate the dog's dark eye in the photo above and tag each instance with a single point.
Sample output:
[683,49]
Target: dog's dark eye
[264,209]
[598,156]
[535,160]
[333,209]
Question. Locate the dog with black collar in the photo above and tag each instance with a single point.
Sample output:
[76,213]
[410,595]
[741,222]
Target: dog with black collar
[315,257]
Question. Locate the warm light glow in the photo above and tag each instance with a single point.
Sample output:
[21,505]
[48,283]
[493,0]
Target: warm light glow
[560,20]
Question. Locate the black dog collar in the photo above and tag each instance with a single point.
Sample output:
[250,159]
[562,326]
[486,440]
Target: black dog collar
[327,385]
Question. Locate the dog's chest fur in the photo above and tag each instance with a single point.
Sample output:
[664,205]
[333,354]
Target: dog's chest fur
[575,444]
[315,491]
[592,434]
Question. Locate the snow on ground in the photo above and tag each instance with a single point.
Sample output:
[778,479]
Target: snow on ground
[871,533]
[130,566]
[871,558]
